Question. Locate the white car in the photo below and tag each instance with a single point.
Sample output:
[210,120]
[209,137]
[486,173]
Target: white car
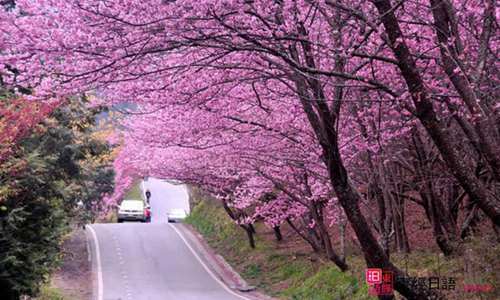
[176,215]
[132,210]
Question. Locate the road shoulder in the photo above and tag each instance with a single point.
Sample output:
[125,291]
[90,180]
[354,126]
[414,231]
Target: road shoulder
[218,265]
[73,277]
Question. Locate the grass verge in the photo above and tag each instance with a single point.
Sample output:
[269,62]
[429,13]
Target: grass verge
[285,270]
[134,192]
[290,270]
[50,293]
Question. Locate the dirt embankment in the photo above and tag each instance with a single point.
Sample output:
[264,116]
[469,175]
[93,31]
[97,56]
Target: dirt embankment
[73,279]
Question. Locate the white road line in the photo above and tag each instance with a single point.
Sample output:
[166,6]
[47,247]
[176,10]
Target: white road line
[205,266]
[89,255]
[98,262]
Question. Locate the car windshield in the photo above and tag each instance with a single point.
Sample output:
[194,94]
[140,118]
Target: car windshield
[132,205]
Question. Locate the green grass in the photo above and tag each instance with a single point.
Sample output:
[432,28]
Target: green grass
[328,283]
[50,293]
[252,271]
[286,271]
[282,273]
[134,192]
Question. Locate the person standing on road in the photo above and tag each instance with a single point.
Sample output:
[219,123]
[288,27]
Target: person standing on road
[148,195]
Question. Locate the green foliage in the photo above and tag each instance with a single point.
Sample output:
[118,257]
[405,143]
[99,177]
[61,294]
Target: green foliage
[57,178]
[328,283]
[49,293]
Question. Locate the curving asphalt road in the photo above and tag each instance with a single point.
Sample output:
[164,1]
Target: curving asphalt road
[152,261]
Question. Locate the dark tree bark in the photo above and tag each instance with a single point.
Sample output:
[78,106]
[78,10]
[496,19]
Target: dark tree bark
[348,196]
[250,235]
[312,243]
[425,113]
[277,233]
[402,244]
[342,229]
[446,26]
[470,221]
[311,232]
[496,229]
[444,233]
[316,210]
[394,174]
[441,239]
[378,191]
[323,121]
[252,228]
[325,238]
[388,203]
[235,216]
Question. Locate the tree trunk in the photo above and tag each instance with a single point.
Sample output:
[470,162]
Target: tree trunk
[313,234]
[249,229]
[425,113]
[311,242]
[277,233]
[496,229]
[250,235]
[373,253]
[388,203]
[470,221]
[322,122]
[433,211]
[378,188]
[325,238]
[402,244]
[252,228]
[445,21]
[342,227]
[349,199]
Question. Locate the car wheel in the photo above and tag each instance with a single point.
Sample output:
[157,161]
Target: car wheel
[120,221]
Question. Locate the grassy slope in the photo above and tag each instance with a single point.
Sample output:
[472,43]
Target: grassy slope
[285,270]
[289,270]
[50,293]
[134,192]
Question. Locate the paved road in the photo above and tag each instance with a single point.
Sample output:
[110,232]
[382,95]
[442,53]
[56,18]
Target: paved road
[165,196]
[138,261]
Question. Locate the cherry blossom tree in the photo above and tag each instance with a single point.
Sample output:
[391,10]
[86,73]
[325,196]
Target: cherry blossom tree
[278,97]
